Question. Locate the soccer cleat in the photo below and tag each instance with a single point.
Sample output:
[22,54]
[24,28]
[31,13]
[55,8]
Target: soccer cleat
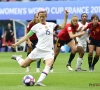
[39,84]
[90,69]
[51,70]
[69,67]
[15,56]
[28,68]
[79,69]
[38,70]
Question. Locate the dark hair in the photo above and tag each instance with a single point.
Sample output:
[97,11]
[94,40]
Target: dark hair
[83,14]
[94,16]
[34,21]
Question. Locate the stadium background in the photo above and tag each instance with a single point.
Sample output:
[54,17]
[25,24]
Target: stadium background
[20,12]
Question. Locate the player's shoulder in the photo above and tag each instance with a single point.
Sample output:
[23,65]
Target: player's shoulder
[30,24]
[50,23]
[68,25]
[90,23]
[99,23]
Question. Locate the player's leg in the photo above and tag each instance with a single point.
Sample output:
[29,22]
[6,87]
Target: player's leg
[72,45]
[80,49]
[48,58]
[96,58]
[38,66]
[23,63]
[57,46]
[45,72]
[90,56]
[29,49]
[91,47]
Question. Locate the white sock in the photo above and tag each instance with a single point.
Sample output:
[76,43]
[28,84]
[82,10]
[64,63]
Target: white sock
[19,60]
[44,74]
[79,62]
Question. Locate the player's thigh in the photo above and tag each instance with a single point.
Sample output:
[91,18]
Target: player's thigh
[80,48]
[56,50]
[26,62]
[72,45]
[58,45]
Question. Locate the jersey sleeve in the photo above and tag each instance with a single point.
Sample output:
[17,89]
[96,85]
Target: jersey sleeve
[30,33]
[28,27]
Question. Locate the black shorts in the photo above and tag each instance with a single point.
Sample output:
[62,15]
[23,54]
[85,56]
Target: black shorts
[34,43]
[60,43]
[9,39]
[94,42]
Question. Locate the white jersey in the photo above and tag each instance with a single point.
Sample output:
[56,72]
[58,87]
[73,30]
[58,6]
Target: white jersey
[44,34]
[84,37]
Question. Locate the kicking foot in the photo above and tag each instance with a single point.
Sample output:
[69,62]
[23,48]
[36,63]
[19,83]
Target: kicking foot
[69,67]
[15,56]
[39,84]
[51,70]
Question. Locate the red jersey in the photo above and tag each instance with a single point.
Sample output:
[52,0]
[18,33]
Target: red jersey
[64,35]
[30,25]
[94,31]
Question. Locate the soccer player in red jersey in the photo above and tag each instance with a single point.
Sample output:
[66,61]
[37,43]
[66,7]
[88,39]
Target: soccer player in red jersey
[31,42]
[66,37]
[94,41]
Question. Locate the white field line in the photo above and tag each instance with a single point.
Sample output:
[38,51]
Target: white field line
[28,72]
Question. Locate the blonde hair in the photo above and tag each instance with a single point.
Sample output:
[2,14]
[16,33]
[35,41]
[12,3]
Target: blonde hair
[73,17]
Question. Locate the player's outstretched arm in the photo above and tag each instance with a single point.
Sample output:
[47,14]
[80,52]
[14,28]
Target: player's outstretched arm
[20,41]
[64,21]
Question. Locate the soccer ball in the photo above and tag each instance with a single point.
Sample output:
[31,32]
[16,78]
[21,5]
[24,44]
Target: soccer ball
[28,80]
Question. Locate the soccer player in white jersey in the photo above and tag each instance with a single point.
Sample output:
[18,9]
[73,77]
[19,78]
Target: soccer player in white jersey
[44,48]
[81,42]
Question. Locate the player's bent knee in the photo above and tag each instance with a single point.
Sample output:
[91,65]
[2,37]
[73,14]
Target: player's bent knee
[74,50]
[24,65]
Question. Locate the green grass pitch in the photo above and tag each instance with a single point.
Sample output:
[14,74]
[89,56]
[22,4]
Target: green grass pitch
[11,75]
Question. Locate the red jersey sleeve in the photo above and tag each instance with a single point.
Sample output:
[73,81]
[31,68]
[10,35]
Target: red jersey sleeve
[88,26]
[56,27]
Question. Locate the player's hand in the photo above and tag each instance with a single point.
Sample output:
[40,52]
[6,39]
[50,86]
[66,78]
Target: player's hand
[66,13]
[80,29]
[13,45]
[30,44]
[83,32]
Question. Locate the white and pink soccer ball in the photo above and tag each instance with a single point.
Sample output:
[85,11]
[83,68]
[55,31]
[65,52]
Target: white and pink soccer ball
[28,80]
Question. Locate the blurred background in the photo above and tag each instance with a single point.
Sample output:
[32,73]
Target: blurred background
[20,12]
